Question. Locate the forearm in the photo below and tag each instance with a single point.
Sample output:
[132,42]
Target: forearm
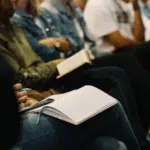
[138,26]
[125,42]
[119,41]
[51,42]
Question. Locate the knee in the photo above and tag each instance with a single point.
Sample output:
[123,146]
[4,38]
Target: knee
[33,131]
[106,143]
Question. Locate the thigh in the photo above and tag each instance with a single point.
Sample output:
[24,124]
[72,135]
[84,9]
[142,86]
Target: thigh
[120,89]
[54,134]
[107,143]
[139,79]
[142,52]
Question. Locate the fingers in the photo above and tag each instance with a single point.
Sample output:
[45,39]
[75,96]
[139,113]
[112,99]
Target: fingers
[22,105]
[21,94]
[17,86]
[22,99]
[30,102]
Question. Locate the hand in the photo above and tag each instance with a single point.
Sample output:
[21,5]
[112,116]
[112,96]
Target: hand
[58,61]
[22,97]
[64,45]
[29,102]
[17,86]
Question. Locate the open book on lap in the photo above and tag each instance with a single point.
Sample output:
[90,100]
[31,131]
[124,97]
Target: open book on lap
[78,106]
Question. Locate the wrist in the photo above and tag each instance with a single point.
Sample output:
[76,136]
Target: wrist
[135,5]
[57,44]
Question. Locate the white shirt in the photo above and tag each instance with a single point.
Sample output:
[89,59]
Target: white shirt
[106,16]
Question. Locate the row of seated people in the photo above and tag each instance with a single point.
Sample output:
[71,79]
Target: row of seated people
[37,135]
[32,42]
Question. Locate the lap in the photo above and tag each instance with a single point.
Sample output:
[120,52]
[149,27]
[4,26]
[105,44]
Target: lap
[56,134]
[107,143]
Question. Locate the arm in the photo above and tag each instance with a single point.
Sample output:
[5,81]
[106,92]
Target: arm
[106,27]
[42,50]
[51,42]
[34,76]
[138,26]
[120,41]
[37,76]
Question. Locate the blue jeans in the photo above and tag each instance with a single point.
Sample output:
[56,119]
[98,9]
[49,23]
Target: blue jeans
[53,134]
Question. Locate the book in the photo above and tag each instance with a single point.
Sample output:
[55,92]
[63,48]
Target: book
[74,62]
[79,105]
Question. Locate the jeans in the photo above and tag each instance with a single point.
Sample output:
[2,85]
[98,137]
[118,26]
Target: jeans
[55,134]
[107,143]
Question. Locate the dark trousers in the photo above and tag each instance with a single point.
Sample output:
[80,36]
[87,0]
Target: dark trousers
[114,81]
[138,76]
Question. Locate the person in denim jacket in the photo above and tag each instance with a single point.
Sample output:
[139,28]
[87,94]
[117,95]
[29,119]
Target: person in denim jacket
[72,23]
[34,34]
[48,48]
[55,25]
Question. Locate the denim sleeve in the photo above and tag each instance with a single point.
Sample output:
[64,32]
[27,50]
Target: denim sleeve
[73,43]
[46,53]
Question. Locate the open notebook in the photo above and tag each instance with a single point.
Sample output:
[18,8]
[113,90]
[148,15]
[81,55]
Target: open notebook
[74,62]
[77,106]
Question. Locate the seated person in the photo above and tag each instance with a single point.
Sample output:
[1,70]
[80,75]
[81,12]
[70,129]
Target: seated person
[117,27]
[10,118]
[47,48]
[36,74]
[58,135]
[70,17]
[115,59]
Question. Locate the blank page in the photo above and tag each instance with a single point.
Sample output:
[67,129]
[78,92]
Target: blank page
[82,104]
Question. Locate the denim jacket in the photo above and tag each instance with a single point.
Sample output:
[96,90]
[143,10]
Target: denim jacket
[69,29]
[33,34]
[55,26]
[77,13]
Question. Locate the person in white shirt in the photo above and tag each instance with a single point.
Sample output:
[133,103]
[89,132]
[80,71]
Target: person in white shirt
[114,23]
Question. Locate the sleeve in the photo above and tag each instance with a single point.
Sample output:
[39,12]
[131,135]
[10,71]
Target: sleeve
[42,50]
[33,76]
[99,19]
[38,76]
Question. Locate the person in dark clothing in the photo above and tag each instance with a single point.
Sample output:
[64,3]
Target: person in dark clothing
[10,119]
